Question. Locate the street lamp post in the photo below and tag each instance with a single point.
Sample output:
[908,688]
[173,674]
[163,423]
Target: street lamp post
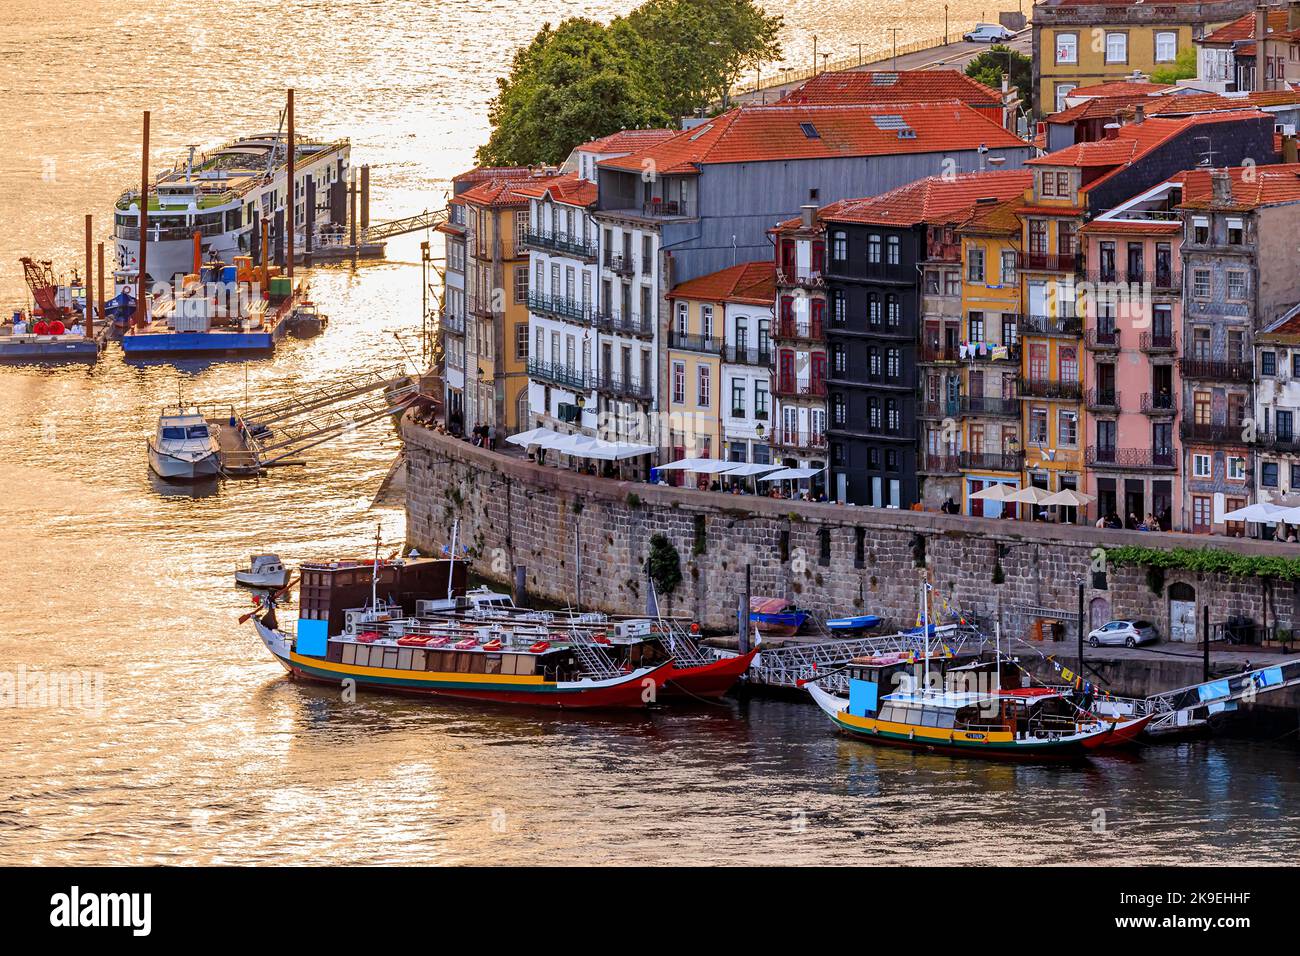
[893,66]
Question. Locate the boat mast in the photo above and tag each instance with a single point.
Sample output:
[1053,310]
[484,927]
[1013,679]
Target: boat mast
[925,630]
[374,574]
[455,527]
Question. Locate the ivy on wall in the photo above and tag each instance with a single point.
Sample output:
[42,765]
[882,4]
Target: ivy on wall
[1207,561]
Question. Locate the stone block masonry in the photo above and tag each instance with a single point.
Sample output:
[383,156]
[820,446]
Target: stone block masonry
[834,560]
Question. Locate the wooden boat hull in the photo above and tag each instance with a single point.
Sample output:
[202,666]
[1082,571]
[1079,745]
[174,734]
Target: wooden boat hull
[782,624]
[1123,733]
[707,680]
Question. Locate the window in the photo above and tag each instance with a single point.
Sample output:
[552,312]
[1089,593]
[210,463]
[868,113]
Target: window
[521,227]
[1201,283]
[1267,363]
[704,387]
[679,383]
[1166,46]
[1067,48]
[1236,284]
[738,393]
[683,318]
[1008,268]
[760,400]
[873,250]
[976,322]
[1236,468]
[952,282]
[839,247]
[1062,91]
[1067,428]
[1201,465]
[892,251]
[893,362]
[838,309]
[1268,474]
[975,267]
[521,338]
[1116,47]
[1038,425]
[1200,230]
[894,312]
[838,413]
[838,364]
[1047,183]
[1236,232]
[1295,475]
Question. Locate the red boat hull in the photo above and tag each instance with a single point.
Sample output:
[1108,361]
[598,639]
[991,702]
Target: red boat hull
[1124,734]
[707,680]
[625,694]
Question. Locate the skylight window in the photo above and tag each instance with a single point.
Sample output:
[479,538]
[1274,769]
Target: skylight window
[810,131]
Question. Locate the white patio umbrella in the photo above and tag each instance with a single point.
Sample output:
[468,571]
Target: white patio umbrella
[1070,498]
[999,491]
[534,436]
[684,464]
[1261,513]
[1030,495]
[752,469]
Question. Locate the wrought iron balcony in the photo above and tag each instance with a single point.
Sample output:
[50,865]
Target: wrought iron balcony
[560,306]
[1050,388]
[808,330]
[619,264]
[1070,326]
[938,352]
[1103,400]
[1159,404]
[620,386]
[795,388]
[801,279]
[1049,262]
[944,408]
[799,438]
[991,406]
[691,342]
[1288,441]
[618,323]
[992,461]
[562,243]
[566,376]
[1218,370]
[1111,456]
[1214,434]
[450,322]
[1098,340]
[939,464]
[742,355]
[1158,341]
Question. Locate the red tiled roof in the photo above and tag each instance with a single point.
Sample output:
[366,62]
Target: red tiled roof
[1150,227]
[936,200]
[1243,28]
[1104,106]
[760,133]
[1122,88]
[751,282]
[628,140]
[907,86]
[1252,187]
[500,192]
[994,218]
[1133,140]
[570,189]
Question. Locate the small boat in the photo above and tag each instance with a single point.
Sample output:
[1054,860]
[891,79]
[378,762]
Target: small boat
[853,625]
[306,321]
[776,616]
[263,571]
[184,446]
[707,680]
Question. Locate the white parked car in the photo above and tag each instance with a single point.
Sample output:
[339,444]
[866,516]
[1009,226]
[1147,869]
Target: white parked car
[988,33]
[1127,633]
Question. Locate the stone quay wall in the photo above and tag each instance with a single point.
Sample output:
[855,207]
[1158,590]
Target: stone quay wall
[578,535]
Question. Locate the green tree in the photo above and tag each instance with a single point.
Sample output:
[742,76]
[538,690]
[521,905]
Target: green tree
[998,59]
[691,52]
[664,565]
[571,84]
[1183,68]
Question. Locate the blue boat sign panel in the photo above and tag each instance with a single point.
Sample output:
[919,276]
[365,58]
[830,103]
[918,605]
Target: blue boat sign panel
[313,637]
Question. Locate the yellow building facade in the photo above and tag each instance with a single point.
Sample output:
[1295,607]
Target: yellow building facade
[696,335]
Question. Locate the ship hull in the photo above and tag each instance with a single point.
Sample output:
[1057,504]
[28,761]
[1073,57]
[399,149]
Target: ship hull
[182,469]
[48,348]
[199,343]
[707,680]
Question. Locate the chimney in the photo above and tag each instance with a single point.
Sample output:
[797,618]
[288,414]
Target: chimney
[1140,113]
[808,213]
[1261,35]
[1111,130]
[1289,149]
[1220,186]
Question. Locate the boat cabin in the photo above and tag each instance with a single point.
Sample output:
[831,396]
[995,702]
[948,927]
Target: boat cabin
[329,589]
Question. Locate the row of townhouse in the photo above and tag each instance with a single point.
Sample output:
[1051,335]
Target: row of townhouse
[559,305]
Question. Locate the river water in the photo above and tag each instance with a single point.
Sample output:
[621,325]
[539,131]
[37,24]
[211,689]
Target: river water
[202,750]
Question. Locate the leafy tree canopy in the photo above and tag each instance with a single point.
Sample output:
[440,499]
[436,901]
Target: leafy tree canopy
[989,66]
[1183,68]
[583,80]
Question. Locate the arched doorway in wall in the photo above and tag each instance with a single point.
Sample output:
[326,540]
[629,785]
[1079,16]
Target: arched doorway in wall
[1182,613]
[1098,612]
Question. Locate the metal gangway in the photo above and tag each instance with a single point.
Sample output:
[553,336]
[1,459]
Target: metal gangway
[272,434]
[1192,706]
[786,666]
[380,231]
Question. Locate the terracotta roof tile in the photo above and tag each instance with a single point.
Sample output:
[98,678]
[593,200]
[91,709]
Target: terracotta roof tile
[1122,88]
[1252,187]
[500,192]
[628,140]
[752,282]
[1133,141]
[759,133]
[570,189]
[1243,28]
[936,200]
[906,86]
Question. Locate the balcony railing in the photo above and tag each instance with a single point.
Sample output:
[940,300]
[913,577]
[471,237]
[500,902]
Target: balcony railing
[559,305]
[799,438]
[1102,340]
[619,264]
[1222,434]
[618,323]
[792,388]
[1103,400]
[624,387]
[938,352]
[1050,388]
[944,408]
[801,278]
[939,464]
[667,208]
[694,343]
[991,406]
[992,461]
[451,322]
[1111,456]
[1288,441]
[1219,370]
[812,330]
[985,355]
[1160,403]
[562,243]
[1068,325]
[1049,262]
[565,376]
[1158,341]
[479,307]
[742,355]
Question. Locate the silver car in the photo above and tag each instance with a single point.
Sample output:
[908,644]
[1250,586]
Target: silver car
[1127,633]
